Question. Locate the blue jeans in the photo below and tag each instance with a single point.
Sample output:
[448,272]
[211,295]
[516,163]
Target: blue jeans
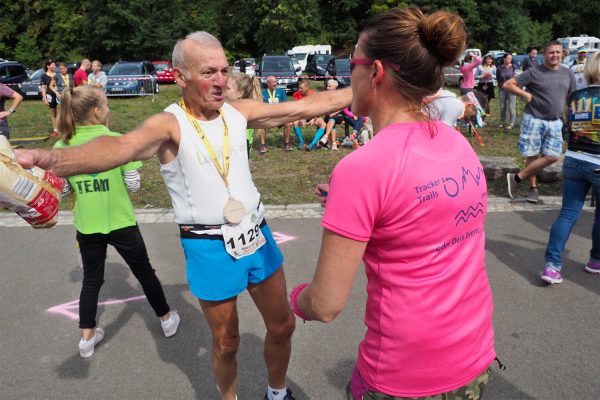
[578,177]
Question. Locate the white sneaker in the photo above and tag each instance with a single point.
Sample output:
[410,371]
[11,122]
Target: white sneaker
[86,347]
[170,325]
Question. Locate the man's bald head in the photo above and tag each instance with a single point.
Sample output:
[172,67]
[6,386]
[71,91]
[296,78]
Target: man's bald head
[201,38]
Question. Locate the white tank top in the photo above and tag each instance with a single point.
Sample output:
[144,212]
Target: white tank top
[198,192]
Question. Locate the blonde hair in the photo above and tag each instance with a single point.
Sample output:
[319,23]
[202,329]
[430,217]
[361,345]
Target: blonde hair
[77,108]
[333,83]
[592,69]
[249,86]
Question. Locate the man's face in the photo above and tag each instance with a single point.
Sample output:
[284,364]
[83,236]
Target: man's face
[96,67]
[582,55]
[553,55]
[305,89]
[272,83]
[533,53]
[206,88]
[63,70]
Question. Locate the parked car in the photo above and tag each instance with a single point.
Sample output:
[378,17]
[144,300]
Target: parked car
[32,88]
[339,68]
[316,65]
[250,66]
[282,68]
[164,71]
[106,67]
[297,65]
[133,78]
[519,58]
[12,73]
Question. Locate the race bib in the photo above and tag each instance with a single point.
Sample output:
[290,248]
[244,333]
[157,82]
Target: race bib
[245,238]
[273,100]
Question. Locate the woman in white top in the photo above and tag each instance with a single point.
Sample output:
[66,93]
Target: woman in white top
[486,73]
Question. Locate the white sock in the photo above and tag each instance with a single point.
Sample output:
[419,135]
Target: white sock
[276,394]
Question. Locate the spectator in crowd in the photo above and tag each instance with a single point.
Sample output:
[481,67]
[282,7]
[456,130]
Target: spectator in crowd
[581,171]
[214,200]
[548,86]
[7,93]
[429,304]
[105,216]
[579,66]
[81,75]
[531,60]
[470,62]
[331,120]
[444,106]
[97,78]
[508,112]
[64,80]
[303,91]
[50,92]
[242,63]
[486,73]
[567,62]
[274,95]
[239,87]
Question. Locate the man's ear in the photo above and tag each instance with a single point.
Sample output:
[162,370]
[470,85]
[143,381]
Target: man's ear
[179,77]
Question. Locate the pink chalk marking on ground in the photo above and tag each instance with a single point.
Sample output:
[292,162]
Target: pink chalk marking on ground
[282,238]
[65,309]
[71,309]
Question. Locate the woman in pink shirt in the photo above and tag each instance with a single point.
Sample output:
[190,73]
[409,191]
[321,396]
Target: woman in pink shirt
[416,221]
[470,62]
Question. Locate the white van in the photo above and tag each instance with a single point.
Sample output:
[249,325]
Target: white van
[574,42]
[301,53]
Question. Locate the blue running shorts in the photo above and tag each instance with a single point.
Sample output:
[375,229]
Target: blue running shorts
[214,275]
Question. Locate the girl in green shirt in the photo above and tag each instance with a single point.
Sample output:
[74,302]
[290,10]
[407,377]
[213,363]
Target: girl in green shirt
[103,215]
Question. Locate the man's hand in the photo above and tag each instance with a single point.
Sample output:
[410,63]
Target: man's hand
[4,114]
[528,97]
[34,157]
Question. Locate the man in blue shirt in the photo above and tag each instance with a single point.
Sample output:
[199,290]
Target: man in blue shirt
[273,95]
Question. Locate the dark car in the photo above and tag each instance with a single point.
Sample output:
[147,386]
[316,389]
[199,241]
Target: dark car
[106,67]
[31,88]
[132,78]
[282,68]
[519,58]
[339,69]
[12,74]
[316,65]
[164,71]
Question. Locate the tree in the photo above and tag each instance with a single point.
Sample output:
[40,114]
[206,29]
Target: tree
[27,52]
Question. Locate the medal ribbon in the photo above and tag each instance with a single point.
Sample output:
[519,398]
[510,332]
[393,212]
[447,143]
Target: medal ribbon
[272,95]
[223,171]
[65,79]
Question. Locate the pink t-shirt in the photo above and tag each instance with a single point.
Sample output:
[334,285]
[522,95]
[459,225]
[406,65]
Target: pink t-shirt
[420,202]
[468,81]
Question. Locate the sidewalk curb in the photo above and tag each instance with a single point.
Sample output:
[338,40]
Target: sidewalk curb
[309,210]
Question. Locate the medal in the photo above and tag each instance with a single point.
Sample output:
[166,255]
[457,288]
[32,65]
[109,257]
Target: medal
[234,211]
[484,87]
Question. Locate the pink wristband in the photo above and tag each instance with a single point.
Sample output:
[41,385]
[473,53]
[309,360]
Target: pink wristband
[294,301]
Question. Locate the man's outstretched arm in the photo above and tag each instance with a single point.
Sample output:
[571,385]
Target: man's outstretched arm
[104,153]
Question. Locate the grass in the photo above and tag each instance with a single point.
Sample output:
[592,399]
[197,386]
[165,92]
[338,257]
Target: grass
[281,177]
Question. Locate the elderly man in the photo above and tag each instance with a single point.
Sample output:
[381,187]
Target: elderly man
[274,95]
[579,66]
[201,145]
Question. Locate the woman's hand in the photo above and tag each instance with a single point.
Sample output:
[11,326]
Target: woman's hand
[321,191]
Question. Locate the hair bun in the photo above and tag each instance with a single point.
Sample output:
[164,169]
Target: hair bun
[444,34]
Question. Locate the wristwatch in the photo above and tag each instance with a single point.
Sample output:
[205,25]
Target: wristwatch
[11,110]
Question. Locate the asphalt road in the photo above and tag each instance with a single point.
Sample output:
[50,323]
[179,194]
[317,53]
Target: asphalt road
[547,336]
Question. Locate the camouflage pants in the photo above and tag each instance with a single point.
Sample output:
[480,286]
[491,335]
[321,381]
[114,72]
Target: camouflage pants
[471,391]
